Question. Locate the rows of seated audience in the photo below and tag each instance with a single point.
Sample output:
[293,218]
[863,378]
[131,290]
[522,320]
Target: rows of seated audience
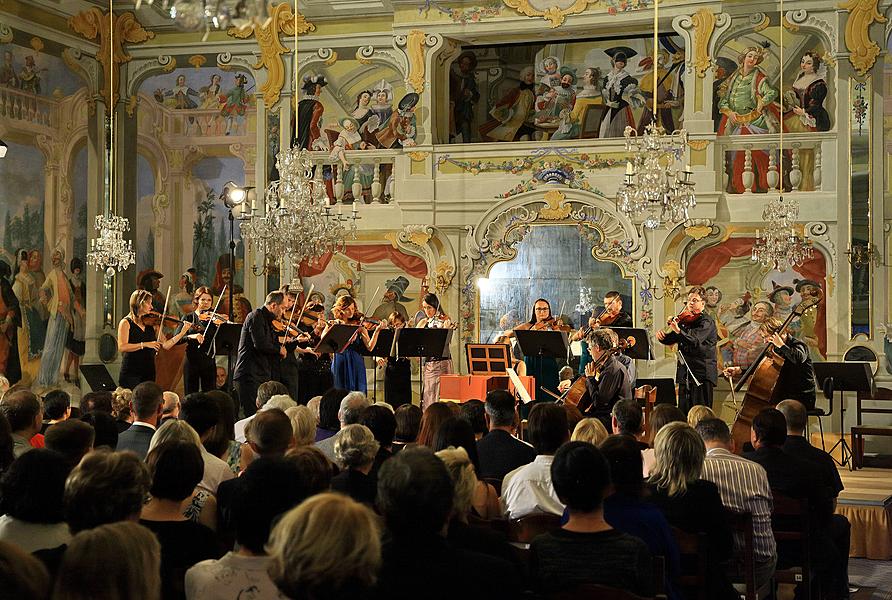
[141,495]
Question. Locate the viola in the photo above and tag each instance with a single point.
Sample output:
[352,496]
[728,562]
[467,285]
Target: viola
[311,316]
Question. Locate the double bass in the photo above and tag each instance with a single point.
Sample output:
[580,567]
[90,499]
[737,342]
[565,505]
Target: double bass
[763,375]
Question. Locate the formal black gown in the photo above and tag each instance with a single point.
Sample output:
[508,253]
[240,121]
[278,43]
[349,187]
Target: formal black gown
[139,365]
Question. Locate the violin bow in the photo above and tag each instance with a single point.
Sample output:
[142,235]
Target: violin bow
[163,312]
[563,303]
[211,320]
[302,309]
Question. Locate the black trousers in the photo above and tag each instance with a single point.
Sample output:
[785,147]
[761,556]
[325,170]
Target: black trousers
[247,394]
[199,374]
[289,375]
[688,397]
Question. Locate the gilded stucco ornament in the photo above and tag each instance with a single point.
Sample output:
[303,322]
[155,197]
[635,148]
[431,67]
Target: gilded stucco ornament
[556,208]
[704,24]
[281,21]
[553,11]
[416,43]
[697,229]
[863,51]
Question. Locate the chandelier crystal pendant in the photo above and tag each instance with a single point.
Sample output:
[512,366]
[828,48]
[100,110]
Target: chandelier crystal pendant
[778,246]
[109,251]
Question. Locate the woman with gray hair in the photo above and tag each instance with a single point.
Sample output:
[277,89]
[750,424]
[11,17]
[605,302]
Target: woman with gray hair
[355,449]
[690,503]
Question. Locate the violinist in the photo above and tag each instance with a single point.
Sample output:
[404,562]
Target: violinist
[348,367]
[607,379]
[434,367]
[397,370]
[315,376]
[695,333]
[796,380]
[196,328]
[287,369]
[138,341]
[612,315]
[258,350]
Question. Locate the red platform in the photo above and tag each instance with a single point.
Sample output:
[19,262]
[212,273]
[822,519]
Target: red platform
[461,388]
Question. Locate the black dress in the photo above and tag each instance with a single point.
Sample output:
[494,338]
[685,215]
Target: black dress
[397,381]
[200,369]
[314,374]
[139,365]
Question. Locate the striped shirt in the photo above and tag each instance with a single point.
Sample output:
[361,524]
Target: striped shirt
[743,486]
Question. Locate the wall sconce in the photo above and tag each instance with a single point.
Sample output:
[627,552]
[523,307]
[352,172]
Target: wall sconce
[863,255]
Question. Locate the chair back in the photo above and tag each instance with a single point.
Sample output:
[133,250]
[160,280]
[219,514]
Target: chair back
[692,548]
[646,395]
[526,528]
[790,522]
[742,524]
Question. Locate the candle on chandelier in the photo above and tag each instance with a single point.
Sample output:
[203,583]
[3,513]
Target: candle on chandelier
[629,169]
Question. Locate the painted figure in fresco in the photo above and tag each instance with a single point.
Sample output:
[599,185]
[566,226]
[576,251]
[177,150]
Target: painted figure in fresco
[32,332]
[747,342]
[666,100]
[620,90]
[402,127]
[512,115]
[463,96]
[551,75]
[555,100]
[10,322]
[804,110]
[309,111]
[181,93]
[8,75]
[29,76]
[781,296]
[182,301]
[808,289]
[56,296]
[714,309]
[35,266]
[76,342]
[348,139]
[234,104]
[210,94]
[383,106]
[362,110]
[393,296]
[722,70]
[591,79]
[747,104]
[150,280]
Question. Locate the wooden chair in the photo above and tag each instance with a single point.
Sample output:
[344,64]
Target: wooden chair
[859,430]
[692,548]
[591,591]
[742,524]
[646,395]
[523,530]
[790,522]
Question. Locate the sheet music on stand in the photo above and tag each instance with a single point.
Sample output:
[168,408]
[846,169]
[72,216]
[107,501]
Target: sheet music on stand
[518,386]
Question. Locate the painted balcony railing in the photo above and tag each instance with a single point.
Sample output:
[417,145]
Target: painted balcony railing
[368,176]
[208,123]
[751,162]
[25,106]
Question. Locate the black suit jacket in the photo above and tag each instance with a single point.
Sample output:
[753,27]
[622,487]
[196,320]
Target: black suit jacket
[136,438]
[257,348]
[500,453]
[796,380]
[795,478]
[613,384]
[697,342]
[798,446]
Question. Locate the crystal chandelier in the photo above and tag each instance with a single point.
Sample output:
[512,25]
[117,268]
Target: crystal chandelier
[297,224]
[210,15]
[779,246]
[655,187]
[110,251]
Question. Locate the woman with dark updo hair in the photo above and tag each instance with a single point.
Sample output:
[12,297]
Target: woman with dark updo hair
[432,368]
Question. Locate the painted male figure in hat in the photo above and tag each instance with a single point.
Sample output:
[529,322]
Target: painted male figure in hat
[401,128]
[555,100]
[234,104]
[463,95]
[309,111]
[393,295]
[618,89]
[512,116]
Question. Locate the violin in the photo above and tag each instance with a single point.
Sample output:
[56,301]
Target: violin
[685,317]
[214,317]
[154,317]
[363,321]
[549,324]
[281,326]
[311,316]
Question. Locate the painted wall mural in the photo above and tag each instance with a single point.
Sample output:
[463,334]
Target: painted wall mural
[578,90]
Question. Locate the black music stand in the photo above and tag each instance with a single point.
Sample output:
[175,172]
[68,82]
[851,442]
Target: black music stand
[225,343]
[855,376]
[641,349]
[422,342]
[383,348]
[336,339]
[541,344]
[98,378]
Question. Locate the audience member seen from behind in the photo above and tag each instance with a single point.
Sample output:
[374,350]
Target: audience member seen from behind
[627,511]
[176,468]
[380,419]
[56,408]
[689,502]
[699,412]
[328,547]
[146,406]
[266,391]
[329,405]
[71,438]
[31,501]
[121,408]
[25,415]
[626,419]
[355,450]
[431,420]
[267,490]
[105,432]
[415,495]
[221,443]
[408,424]
[269,435]
[456,432]
[589,430]
[662,415]
[202,412]
[303,425]
[118,561]
[499,451]
[349,413]
[22,576]
[587,550]
[474,411]
[101,401]
[316,471]
[528,489]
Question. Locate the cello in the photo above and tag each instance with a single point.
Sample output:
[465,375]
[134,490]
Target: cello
[763,375]
[578,389]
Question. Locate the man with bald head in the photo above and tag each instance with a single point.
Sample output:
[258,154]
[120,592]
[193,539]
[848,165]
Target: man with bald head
[170,409]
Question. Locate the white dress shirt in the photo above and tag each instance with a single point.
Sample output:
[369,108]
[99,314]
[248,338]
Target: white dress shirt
[216,471]
[528,489]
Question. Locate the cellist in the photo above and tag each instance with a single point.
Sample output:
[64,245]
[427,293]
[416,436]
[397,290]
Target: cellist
[613,315]
[606,383]
[695,333]
[796,380]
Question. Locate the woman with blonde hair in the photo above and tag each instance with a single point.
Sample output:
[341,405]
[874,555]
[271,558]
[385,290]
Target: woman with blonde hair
[303,422]
[589,430]
[121,399]
[689,502]
[328,547]
[355,448]
[348,367]
[118,561]
[699,412]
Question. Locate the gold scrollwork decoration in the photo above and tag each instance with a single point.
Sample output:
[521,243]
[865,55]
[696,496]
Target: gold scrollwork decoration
[555,208]
[92,24]
[704,24]
[863,51]
[170,65]
[553,14]
[197,60]
[281,21]
[418,155]
[5,33]
[698,144]
[763,24]
[415,43]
